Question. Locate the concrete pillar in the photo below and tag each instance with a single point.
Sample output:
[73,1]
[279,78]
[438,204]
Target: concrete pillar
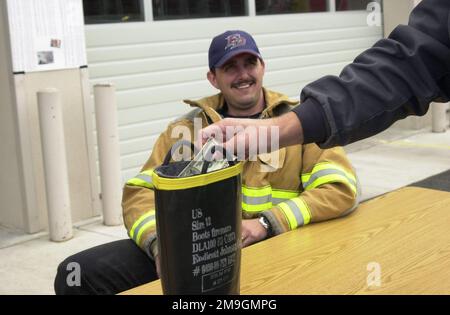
[55,165]
[109,153]
[439,117]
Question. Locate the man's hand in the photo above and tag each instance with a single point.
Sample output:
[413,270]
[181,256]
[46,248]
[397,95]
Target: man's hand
[243,137]
[252,232]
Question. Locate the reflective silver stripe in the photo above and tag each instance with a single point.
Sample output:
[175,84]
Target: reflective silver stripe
[321,173]
[136,230]
[145,178]
[296,211]
[141,180]
[262,200]
[256,200]
[276,201]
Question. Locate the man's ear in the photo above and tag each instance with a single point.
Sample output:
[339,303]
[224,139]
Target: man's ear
[212,79]
[263,65]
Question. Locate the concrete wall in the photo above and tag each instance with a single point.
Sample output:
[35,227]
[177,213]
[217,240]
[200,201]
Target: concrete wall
[83,189]
[22,184]
[68,82]
[12,203]
[396,12]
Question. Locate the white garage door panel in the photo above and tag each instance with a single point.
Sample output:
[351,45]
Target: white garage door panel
[117,68]
[149,113]
[288,76]
[137,145]
[134,161]
[278,64]
[151,50]
[292,50]
[300,36]
[199,60]
[163,94]
[199,74]
[148,127]
[156,78]
[148,50]
[155,65]
[199,29]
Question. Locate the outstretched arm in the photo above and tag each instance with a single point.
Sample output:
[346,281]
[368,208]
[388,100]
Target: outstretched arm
[397,77]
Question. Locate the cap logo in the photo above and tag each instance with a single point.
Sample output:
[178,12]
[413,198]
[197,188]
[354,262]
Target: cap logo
[234,41]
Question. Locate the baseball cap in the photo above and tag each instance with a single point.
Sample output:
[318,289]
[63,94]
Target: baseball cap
[229,44]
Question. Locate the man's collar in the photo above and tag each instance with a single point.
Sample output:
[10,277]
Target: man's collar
[212,104]
[223,111]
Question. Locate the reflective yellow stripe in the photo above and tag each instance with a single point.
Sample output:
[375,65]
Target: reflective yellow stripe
[289,215]
[138,221]
[324,166]
[306,177]
[296,212]
[164,183]
[256,208]
[144,228]
[256,191]
[284,194]
[256,199]
[139,182]
[324,173]
[143,179]
[148,172]
[267,190]
[333,178]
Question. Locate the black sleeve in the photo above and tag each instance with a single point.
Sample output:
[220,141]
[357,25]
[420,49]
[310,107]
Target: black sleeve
[397,77]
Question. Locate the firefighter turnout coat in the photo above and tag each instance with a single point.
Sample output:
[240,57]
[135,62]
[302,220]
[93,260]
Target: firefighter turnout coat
[291,187]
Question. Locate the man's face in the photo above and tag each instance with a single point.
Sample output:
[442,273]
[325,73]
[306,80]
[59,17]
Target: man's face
[240,80]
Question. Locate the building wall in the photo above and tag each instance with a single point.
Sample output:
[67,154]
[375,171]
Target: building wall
[155,65]
[11,186]
[68,82]
[22,184]
[396,12]
[24,190]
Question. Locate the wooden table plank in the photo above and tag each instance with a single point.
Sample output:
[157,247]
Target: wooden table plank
[405,232]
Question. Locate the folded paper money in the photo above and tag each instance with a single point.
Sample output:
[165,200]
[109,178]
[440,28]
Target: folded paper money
[196,165]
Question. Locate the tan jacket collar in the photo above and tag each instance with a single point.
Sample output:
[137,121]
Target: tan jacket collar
[274,102]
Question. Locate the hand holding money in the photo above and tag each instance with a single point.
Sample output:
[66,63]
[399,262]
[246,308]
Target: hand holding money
[204,156]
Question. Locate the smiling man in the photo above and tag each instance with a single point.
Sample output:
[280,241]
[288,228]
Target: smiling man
[306,185]
[237,70]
